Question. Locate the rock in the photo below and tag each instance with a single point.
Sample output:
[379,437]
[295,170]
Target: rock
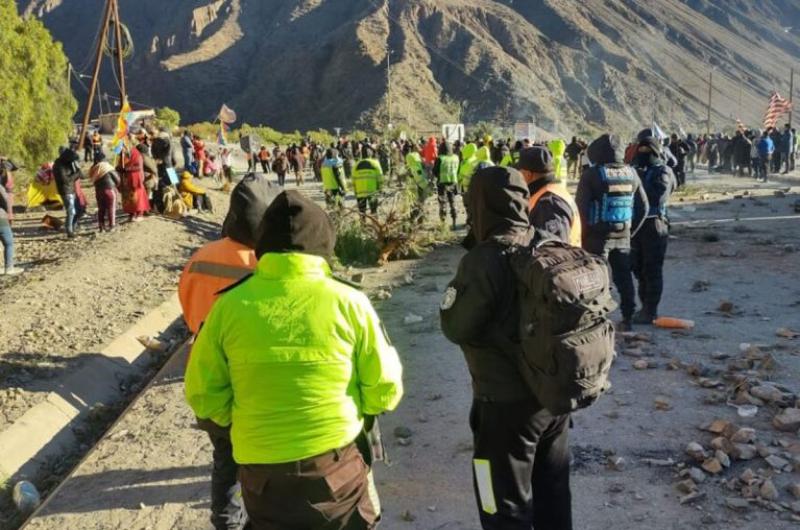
[712,465]
[697,475]
[795,507]
[717,426]
[686,486]
[403,432]
[357,278]
[720,443]
[696,496]
[777,463]
[382,294]
[662,403]
[641,364]
[748,476]
[700,285]
[412,319]
[794,489]
[720,356]
[744,435]
[408,517]
[764,451]
[788,420]
[658,462]
[768,491]
[696,451]
[710,237]
[787,333]
[616,463]
[726,306]
[737,504]
[770,393]
[408,279]
[723,458]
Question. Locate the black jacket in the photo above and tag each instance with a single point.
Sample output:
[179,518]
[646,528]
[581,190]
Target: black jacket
[66,171]
[480,312]
[598,238]
[552,214]
[658,181]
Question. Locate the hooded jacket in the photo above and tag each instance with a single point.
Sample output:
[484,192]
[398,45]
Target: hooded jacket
[66,171]
[291,357]
[219,264]
[600,237]
[479,311]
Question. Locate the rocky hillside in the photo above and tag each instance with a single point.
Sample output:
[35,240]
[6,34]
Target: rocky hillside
[564,64]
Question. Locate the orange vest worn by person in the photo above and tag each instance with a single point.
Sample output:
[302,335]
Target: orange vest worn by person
[214,267]
[559,190]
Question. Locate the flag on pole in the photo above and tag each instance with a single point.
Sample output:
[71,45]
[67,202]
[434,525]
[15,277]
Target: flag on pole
[123,128]
[777,107]
[223,128]
[658,133]
[226,114]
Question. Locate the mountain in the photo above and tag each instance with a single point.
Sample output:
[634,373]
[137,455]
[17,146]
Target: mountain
[563,64]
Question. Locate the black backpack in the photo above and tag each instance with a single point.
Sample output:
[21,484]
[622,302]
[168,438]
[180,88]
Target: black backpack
[566,335]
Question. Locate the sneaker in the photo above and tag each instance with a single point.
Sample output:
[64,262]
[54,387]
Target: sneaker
[13,271]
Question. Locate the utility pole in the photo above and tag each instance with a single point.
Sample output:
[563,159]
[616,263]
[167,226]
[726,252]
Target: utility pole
[97,61]
[791,96]
[708,115]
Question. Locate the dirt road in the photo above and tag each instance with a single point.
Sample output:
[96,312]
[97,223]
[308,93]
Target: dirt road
[151,471]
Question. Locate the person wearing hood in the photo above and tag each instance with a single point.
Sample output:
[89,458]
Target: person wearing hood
[213,268]
[445,172]
[558,147]
[649,245]
[105,181]
[419,179]
[520,453]
[67,173]
[333,183]
[297,364]
[612,205]
[552,208]
[506,159]
[469,162]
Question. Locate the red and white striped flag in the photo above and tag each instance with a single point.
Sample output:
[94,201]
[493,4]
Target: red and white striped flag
[778,106]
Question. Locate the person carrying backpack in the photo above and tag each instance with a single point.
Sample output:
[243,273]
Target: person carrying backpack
[333,183]
[612,204]
[649,245]
[521,455]
[445,171]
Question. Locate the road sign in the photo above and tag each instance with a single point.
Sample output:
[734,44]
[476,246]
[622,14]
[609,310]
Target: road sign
[453,132]
[524,130]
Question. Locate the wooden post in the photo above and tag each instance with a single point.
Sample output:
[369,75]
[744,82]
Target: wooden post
[120,60]
[791,96]
[98,60]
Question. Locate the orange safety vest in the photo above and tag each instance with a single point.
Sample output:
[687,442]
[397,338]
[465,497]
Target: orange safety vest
[216,266]
[559,189]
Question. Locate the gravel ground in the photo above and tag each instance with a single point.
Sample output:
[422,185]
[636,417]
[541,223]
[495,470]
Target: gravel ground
[152,470]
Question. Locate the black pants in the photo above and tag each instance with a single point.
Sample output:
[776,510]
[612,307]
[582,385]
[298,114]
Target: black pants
[619,259]
[371,201]
[522,461]
[265,166]
[446,194]
[224,514]
[680,173]
[649,247]
[334,198]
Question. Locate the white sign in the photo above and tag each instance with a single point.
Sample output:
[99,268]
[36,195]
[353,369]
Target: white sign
[453,132]
[524,130]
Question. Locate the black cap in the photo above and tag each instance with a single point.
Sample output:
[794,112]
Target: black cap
[537,159]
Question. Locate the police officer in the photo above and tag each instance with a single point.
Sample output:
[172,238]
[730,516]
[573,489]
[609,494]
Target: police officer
[611,202]
[333,179]
[445,171]
[216,266]
[552,208]
[419,180]
[294,361]
[521,454]
[367,181]
[649,245]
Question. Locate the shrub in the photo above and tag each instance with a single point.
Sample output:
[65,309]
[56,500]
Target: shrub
[168,118]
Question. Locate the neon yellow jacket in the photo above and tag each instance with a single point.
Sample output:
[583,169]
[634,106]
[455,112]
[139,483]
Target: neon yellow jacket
[367,177]
[414,165]
[293,360]
[468,164]
[557,147]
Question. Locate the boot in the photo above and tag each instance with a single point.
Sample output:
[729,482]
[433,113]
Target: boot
[624,325]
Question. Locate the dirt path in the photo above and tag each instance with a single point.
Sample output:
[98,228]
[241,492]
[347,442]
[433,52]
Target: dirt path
[152,470]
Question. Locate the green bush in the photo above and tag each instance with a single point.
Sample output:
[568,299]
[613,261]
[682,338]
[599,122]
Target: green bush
[36,103]
[168,118]
[354,246]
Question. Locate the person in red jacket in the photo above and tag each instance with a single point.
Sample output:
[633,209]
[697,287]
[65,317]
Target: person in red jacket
[134,194]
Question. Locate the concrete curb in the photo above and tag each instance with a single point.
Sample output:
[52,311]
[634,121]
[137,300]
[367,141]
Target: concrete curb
[45,430]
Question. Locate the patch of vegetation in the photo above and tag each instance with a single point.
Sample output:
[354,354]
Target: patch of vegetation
[37,103]
[168,118]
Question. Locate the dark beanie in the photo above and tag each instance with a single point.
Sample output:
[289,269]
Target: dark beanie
[294,223]
[249,200]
